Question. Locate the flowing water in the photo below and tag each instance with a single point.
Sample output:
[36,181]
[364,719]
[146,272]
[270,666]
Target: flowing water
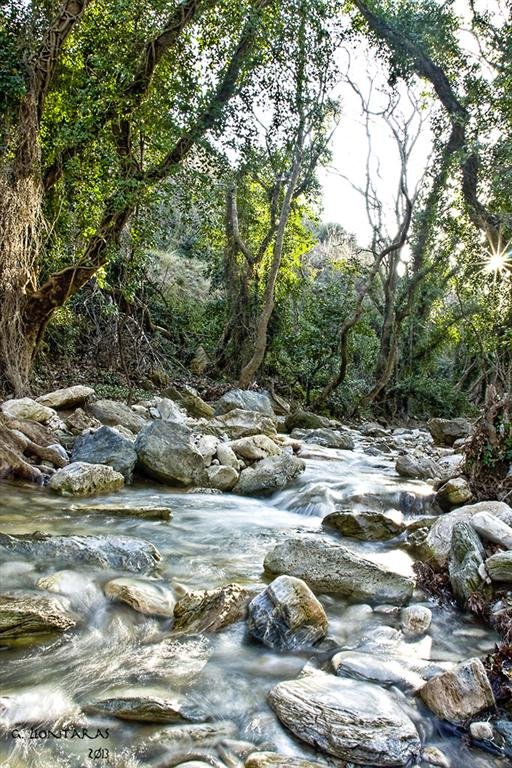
[210,541]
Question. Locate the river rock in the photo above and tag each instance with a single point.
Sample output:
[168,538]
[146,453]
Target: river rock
[481,731]
[69,397]
[166,452]
[376,668]
[287,615]
[330,438]
[446,431]
[78,421]
[438,541]
[26,408]
[349,719]
[372,429]
[460,693]
[270,474]
[255,447]
[221,477]
[170,411]
[466,559]
[276,760]
[490,528]
[329,567]
[238,423]
[417,467]
[122,553]
[189,398]
[146,597]
[211,610]
[207,447]
[28,615]
[112,413]
[366,526]
[82,479]
[227,456]
[146,512]
[106,446]
[143,707]
[415,620]
[301,419]
[499,566]
[245,400]
[453,493]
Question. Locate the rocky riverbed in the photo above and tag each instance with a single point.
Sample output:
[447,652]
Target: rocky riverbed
[274,621]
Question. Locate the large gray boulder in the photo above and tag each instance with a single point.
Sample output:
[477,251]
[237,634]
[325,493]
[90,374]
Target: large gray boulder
[438,541]
[69,397]
[28,615]
[329,567]
[123,553]
[301,419]
[453,493]
[166,452]
[459,693]
[239,423]
[112,413]
[189,398]
[83,479]
[490,528]
[26,408]
[222,477]
[330,438]
[270,474]
[287,615]
[447,431]
[367,525]
[106,446]
[254,448]
[349,719]
[466,559]
[246,400]
[417,467]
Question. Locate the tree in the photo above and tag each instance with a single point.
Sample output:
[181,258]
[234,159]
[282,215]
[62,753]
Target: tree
[115,129]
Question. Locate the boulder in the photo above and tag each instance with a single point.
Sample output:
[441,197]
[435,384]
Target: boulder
[255,447]
[227,456]
[143,707]
[466,559]
[330,438]
[287,615]
[490,528]
[25,615]
[417,467]
[78,421]
[106,446]
[222,477]
[301,419]
[270,474]
[146,597]
[446,431]
[69,397]
[189,398]
[246,400]
[328,567]
[415,620]
[349,719]
[112,413]
[26,408]
[123,553]
[238,423]
[166,452]
[211,610]
[460,693]
[82,479]
[276,760]
[366,526]
[482,731]
[207,447]
[499,566]
[170,411]
[453,493]
[438,541]
[372,429]
[382,669]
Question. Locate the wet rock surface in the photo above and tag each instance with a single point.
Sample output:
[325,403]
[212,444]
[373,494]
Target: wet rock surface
[84,479]
[106,446]
[29,615]
[459,694]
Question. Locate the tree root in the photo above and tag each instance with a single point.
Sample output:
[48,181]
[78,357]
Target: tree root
[21,440]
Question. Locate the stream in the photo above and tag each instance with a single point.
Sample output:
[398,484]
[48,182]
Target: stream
[210,541]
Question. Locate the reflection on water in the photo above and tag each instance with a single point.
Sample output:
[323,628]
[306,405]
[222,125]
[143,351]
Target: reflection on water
[211,540]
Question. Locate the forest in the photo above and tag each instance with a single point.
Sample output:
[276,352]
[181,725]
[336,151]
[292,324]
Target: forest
[256,383]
